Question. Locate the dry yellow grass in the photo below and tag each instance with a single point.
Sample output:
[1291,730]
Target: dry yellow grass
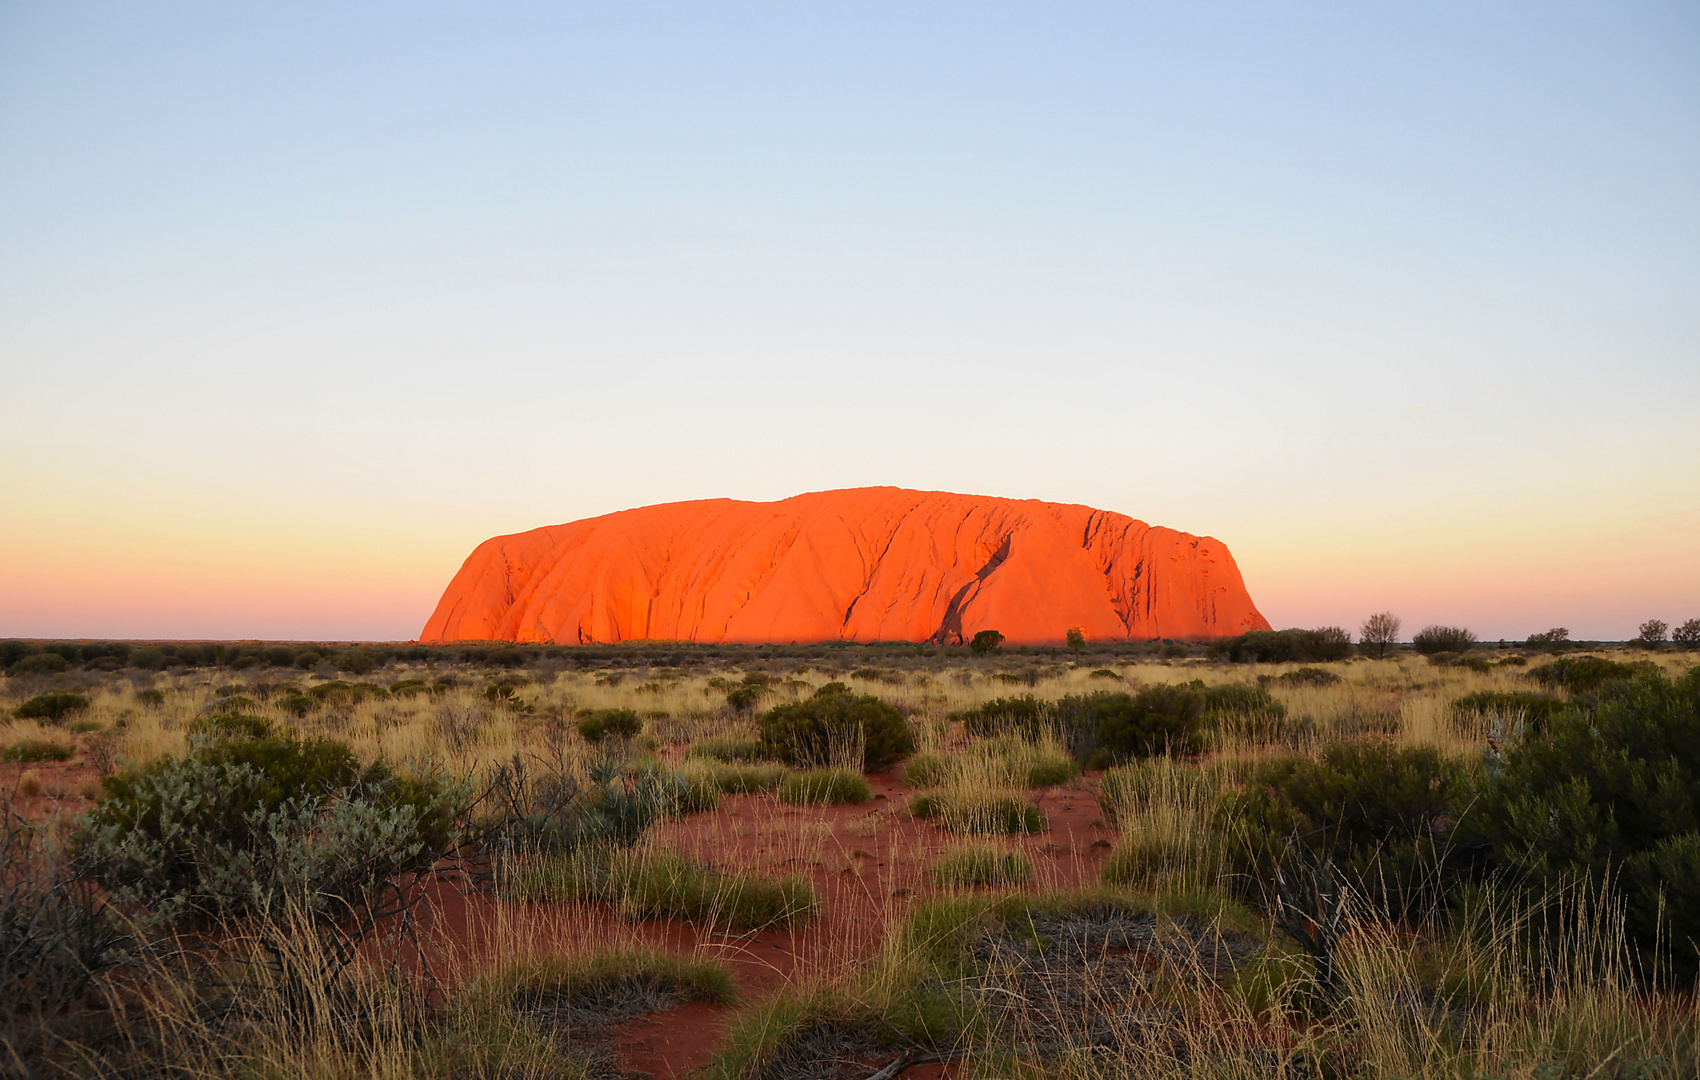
[1579,1000]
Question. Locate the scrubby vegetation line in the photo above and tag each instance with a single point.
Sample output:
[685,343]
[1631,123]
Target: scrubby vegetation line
[1315,858]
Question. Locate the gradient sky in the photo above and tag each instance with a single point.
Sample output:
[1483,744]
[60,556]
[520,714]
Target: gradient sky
[299,302]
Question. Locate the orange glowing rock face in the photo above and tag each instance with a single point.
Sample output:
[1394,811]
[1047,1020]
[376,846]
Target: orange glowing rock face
[862,564]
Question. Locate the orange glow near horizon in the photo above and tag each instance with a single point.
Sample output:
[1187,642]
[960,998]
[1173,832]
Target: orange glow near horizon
[130,573]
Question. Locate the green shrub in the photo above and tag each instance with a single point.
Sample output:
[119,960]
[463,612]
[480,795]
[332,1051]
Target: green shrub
[222,725]
[979,812]
[295,703]
[358,661]
[824,787]
[239,826]
[53,708]
[985,643]
[153,698]
[1239,700]
[1533,710]
[1381,813]
[1608,790]
[1025,716]
[1285,646]
[29,751]
[1443,639]
[1157,719]
[808,733]
[599,724]
[971,866]
[504,694]
[40,664]
[1584,674]
[1103,673]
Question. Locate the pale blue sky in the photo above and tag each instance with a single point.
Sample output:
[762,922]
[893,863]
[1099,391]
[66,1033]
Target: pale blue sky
[1398,300]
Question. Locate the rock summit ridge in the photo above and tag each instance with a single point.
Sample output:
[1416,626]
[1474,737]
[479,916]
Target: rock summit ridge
[859,564]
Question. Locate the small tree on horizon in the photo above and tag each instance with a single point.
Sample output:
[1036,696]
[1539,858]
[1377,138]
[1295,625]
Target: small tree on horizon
[1653,632]
[1688,634]
[1076,638]
[985,643]
[1378,634]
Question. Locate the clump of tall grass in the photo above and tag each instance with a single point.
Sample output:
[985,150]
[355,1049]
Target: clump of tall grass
[979,865]
[824,787]
[1165,812]
[732,751]
[34,750]
[965,811]
[650,883]
[1011,761]
[749,779]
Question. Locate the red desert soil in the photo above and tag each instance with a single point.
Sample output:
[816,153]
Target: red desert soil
[868,883]
[861,564]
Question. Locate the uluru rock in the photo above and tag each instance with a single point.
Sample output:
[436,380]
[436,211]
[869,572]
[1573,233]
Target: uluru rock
[862,564]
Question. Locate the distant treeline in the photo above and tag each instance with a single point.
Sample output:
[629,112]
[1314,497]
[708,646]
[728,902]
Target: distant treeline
[24,657]
[21,657]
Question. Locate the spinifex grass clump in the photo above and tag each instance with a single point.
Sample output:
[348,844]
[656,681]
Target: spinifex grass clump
[749,779]
[1164,809]
[928,769]
[731,751]
[967,867]
[824,787]
[593,978]
[1011,761]
[650,883]
[965,811]
[544,807]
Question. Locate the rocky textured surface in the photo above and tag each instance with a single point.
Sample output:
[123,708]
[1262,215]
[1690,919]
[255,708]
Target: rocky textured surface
[862,564]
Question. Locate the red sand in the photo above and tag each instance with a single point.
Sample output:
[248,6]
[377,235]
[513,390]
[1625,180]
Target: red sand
[862,564]
[868,884]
